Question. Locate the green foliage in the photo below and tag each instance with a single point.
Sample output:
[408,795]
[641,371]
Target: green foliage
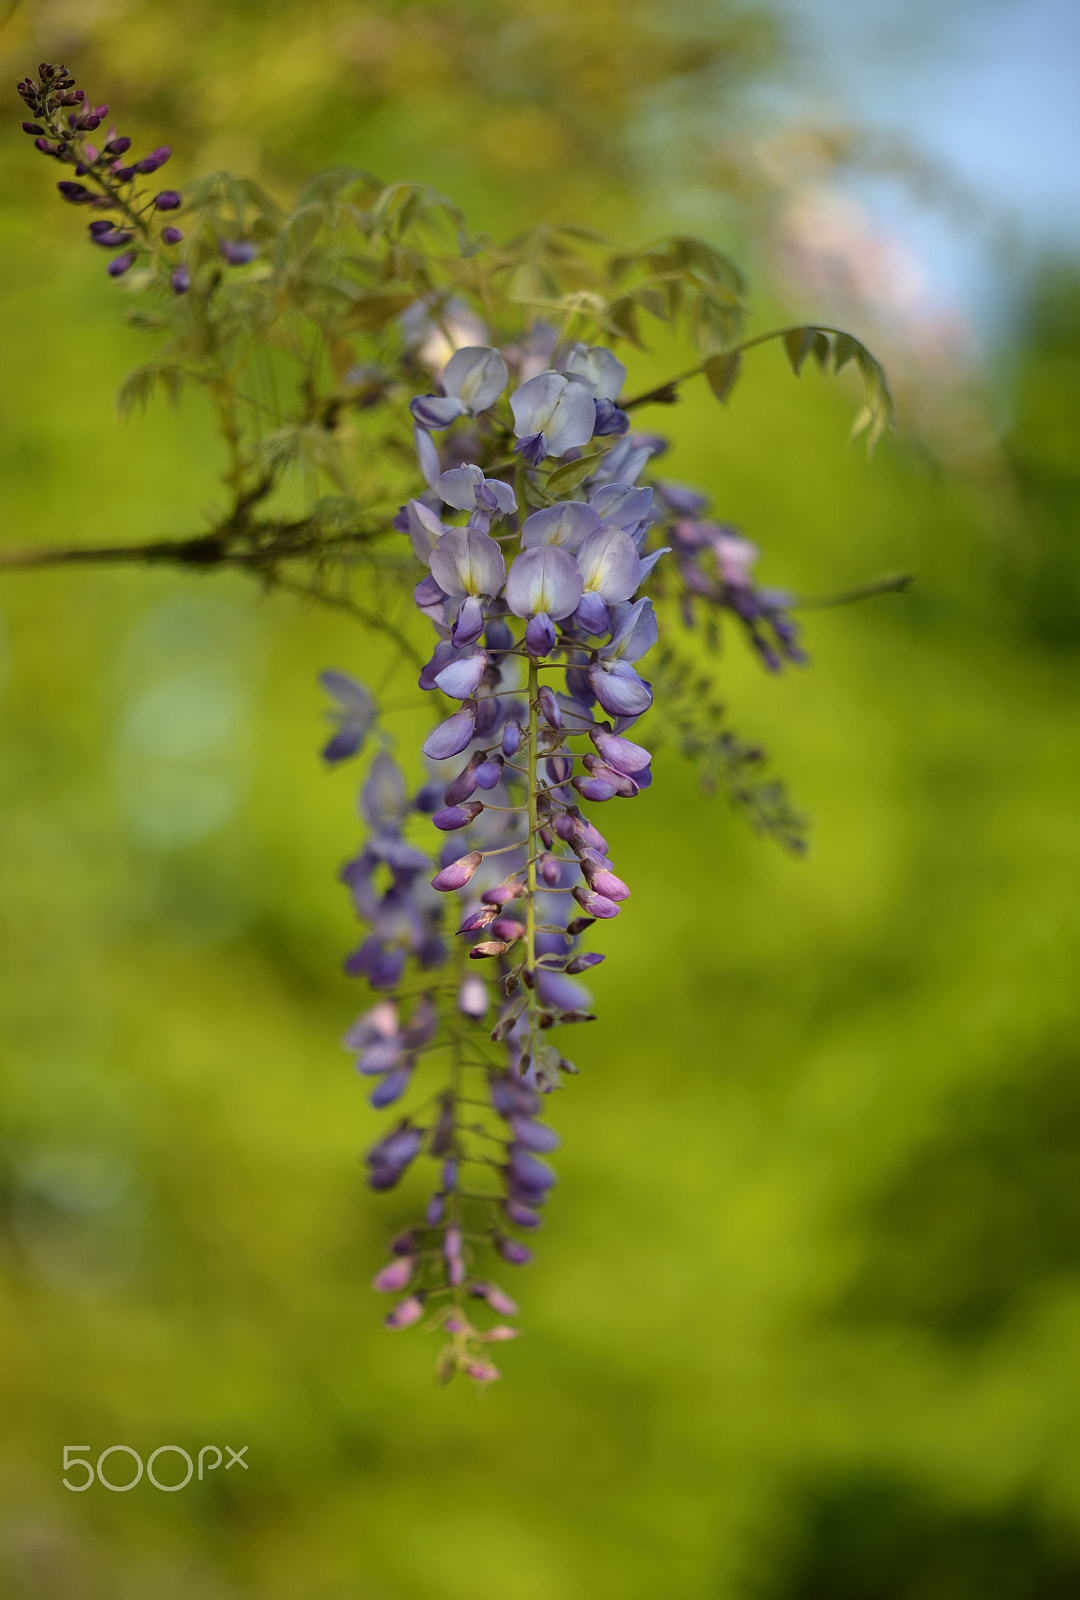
[689,708]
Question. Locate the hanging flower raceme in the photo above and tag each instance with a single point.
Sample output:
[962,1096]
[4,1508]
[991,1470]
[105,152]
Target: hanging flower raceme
[61,120]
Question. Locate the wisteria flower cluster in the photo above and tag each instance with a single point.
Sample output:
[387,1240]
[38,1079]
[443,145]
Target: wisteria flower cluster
[540,627]
[378,352]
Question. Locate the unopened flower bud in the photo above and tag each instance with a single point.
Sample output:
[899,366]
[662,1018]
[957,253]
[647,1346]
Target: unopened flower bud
[513,1251]
[395,1275]
[458,873]
[168,200]
[405,1313]
[120,264]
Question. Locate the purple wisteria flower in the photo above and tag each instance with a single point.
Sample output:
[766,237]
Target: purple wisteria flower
[473,379]
[544,585]
[354,715]
[552,414]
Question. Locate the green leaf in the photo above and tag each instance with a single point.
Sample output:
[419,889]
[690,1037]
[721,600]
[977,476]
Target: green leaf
[722,371]
[138,389]
[799,342]
[845,349]
[565,479]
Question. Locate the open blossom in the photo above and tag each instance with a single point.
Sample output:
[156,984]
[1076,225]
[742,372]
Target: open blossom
[544,585]
[552,414]
[472,380]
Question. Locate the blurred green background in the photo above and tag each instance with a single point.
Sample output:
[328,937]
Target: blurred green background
[804,1321]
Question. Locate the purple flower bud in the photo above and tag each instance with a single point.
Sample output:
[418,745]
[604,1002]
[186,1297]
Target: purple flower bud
[238,253]
[482,1372]
[460,788]
[496,1299]
[77,194]
[583,962]
[497,635]
[453,735]
[551,870]
[459,679]
[449,1175]
[168,200]
[120,264]
[395,1275]
[125,174]
[593,904]
[455,1272]
[501,1332]
[478,920]
[32,127]
[452,817]
[605,883]
[595,788]
[489,772]
[622,754]
[171,235]
[458,873]
[513,1251]
[528,1172]
[535,1136]
[521,1215]
[549,708]
[488,948]
[110,237]
[502,894]
[405,1313]
[392,1087]
[436,1208]
[118,147]
[559,768]
[508,928]
[47,147]
[181,280]
[405,1243]
[157,158]
[511,737]
[540,635]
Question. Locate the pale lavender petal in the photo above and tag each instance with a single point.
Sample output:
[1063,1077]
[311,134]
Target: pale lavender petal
[540,635]
[425,529]
[622,504]
[568,524]
[461,678]
[649,561]
[469,622]
[622,754]
[505,499]
[383,803]
[609,564]
[466,561]
[592,616]
[433,411]
[543,579]
[428,456]
[602,372]
[458,487]
[452,736]
[476,375]
[635,632]
[571,422]
[619,689]
[535,401]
